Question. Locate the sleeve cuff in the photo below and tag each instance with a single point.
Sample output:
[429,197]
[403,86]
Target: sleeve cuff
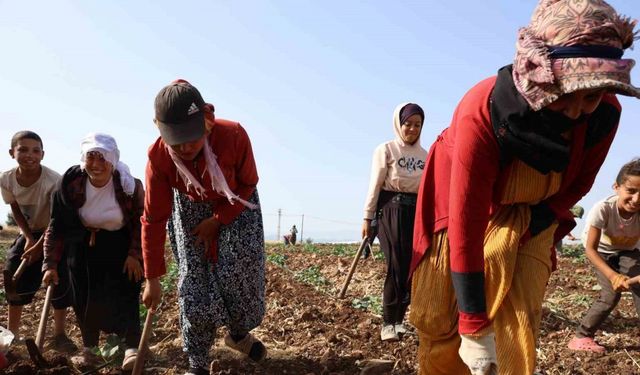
[155,273]
[472,323]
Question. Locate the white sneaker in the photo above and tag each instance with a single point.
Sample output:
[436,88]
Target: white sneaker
[388,333]
[400,328]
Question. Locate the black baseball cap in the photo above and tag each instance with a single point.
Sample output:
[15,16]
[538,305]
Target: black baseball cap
[180,113]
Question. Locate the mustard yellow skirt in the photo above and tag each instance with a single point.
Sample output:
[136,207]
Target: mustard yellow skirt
[515,280]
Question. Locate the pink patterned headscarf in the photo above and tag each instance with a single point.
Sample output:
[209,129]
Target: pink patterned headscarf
[542,79]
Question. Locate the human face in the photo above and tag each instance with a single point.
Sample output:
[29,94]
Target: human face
[410,129]
[576,104]
[628,196]
[28,153]
[98,169]
[189,150]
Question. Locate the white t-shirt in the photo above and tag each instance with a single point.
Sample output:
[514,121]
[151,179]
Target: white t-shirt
[35,200]
[618,233]
[101,209]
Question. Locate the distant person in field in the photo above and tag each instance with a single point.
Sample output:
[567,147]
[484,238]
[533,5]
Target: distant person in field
[391,201]
[27,188]
[95,226]
[292,236]
[522,148]
[201,178]
[612,241]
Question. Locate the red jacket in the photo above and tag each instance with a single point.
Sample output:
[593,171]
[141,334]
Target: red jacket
[230,143]
[462,181]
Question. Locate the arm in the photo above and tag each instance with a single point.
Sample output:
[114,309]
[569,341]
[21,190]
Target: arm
[246,175]
[591,250]
[618,281]
[379,171]
[54,235]
[32,247]
[158,201]
[474,171]
[157,209]
[33,253]
[135,248]
[132,264]
[596,222]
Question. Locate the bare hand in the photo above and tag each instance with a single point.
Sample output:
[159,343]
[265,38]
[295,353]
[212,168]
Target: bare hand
[133,268]
[29,242]
[50,277]
[33,252]
[207,232]
[152,294]
[619,282]
[366,228]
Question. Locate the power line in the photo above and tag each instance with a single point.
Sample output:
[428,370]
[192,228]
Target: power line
[337,221]
[333,220]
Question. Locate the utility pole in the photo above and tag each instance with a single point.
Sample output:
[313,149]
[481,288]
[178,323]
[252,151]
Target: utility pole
[302,230]
[278,232]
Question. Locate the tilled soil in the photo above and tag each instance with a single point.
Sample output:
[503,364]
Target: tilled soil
[307,330]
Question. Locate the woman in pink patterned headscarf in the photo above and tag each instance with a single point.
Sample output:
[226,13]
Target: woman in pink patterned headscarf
[523,147]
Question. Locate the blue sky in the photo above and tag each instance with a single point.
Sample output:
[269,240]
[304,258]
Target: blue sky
[313,82]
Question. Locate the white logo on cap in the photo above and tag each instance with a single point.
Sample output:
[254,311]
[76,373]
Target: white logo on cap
[193,109]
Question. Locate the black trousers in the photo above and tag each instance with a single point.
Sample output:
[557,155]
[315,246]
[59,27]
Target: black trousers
[395,216]
[104,299]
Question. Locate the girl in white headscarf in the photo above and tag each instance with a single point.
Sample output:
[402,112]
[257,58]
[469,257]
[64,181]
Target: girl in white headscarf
[96,222]
[395,176]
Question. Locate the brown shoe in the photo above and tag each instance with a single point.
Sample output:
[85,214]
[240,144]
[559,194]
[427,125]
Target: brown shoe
[249,345]
[62,343]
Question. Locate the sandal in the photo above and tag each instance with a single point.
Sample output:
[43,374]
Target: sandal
[586,344]
[130,356]
[249,345]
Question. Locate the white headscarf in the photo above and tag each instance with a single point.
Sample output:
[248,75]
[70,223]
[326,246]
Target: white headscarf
[106,145]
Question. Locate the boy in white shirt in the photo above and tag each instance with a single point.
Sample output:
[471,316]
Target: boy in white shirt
[27,189]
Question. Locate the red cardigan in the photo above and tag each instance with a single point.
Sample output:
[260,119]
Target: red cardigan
[461,187]
[230,143]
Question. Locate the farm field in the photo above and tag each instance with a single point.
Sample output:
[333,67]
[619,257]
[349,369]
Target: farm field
[307,330]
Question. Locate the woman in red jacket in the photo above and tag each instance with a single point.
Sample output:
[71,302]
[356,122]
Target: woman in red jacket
[201,178]
[523,147]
